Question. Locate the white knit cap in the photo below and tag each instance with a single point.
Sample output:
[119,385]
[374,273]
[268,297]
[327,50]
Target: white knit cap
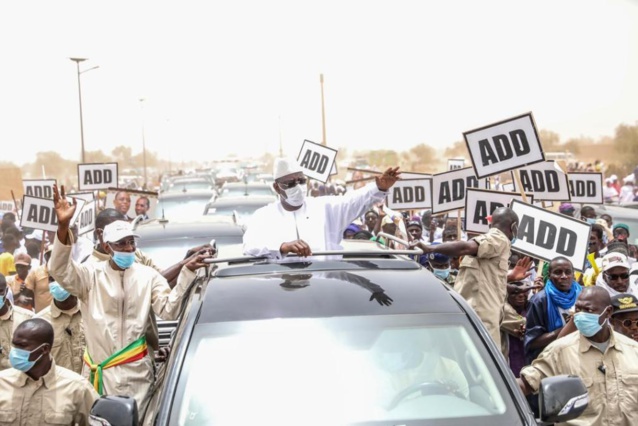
[285,166]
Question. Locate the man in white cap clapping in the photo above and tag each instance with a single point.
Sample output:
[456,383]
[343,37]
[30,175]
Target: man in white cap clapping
[300,225]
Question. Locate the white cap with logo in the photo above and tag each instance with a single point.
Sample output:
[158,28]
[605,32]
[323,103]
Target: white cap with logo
[613,259]
[115,231]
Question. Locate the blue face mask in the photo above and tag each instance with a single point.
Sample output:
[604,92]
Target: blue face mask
[441,274]
[587,323]
[19,359]
[1,301]
[591,220]
[58,292]
[123,259]
[514,234]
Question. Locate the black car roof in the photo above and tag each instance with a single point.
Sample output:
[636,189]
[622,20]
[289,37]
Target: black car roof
[326,289]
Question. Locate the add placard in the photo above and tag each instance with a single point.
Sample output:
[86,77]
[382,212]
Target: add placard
[545,180]
[448,189]
[97,176]
[86,220]
[316,160]
[7,206]
[40,188]
[455,163]
[39,213]
[480,203]
[504,146]
[415,175]
[586,188]
[408,194]
[545,235]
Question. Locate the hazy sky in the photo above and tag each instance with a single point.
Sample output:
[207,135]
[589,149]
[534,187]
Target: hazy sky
[225,77]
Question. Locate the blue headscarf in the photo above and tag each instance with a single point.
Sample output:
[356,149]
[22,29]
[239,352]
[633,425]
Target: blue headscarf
[557,299]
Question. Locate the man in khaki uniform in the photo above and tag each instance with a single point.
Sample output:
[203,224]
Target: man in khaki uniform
[10,317]
[117,298]
[37,392]
[605,360]
[483,273]
[38,282]
[65,317]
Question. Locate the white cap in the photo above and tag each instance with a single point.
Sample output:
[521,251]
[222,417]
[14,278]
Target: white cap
[285,166]
[115,231]
[613,259]
[37,234]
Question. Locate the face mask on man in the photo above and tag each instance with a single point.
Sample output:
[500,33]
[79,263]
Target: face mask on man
[591,220]
[123,259]
[514,229]
[296,195]
[587,323]
[441,274]
[19,358]
[58,292]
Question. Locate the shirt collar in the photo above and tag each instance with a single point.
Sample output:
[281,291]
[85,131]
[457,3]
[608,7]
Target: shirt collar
[585,344]
[101,256]
[7,316]
[48,379]
[56,312]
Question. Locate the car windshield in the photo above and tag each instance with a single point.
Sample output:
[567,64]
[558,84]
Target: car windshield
[340,371]
[166,253]
[243,211]
[182,208]
[189,186]
[246,190]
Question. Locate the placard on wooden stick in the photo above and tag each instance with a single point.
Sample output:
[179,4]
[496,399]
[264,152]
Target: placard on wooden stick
[505,145]
[586,188]
[316,160]
[39,213]
[545,235]
[448,189]
[41,188]
[545,180]
[480,203]
[408,194]
[93,176]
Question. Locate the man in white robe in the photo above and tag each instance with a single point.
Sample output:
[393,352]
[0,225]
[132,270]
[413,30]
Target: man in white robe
[299,225]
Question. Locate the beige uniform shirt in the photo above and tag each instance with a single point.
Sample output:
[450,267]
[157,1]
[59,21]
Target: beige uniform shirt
[152,334]
[482,279]
[115,308]
[69,342]
[60,397]
[38,282]
[613,395]
[8,323]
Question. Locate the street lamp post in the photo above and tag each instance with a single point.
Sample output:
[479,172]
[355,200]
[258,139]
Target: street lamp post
[143,145]
[77,63]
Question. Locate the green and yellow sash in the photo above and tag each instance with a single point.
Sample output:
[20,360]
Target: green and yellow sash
[136,350]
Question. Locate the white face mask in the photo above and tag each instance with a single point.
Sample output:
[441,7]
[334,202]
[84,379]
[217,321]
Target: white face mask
[296,195]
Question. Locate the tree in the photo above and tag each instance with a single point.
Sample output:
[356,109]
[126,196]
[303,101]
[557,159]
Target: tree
[421,158]
[123,156]
[549,140]
[626,143]
[382,158]
[458,150]
[98,157]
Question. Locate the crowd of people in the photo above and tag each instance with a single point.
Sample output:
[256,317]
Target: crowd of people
[81,320]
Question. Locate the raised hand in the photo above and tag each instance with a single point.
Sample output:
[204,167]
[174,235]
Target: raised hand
[388,178]
[63,209]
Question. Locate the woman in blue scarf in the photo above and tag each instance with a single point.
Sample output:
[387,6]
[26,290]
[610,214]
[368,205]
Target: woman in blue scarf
[549,309]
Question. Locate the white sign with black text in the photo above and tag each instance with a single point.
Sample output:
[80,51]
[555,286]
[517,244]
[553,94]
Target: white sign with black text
[545,235]
[86,221]
[408,194]
[448,189]
[455,163]
[504,146]
[545,180]
[39,213]
[316,160]
[415,175]
[41,188]
[480,203]
[586,188]
[97,176]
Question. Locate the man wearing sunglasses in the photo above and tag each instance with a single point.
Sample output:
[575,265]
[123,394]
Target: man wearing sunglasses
[299,225]
[624,318]
[615,276]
